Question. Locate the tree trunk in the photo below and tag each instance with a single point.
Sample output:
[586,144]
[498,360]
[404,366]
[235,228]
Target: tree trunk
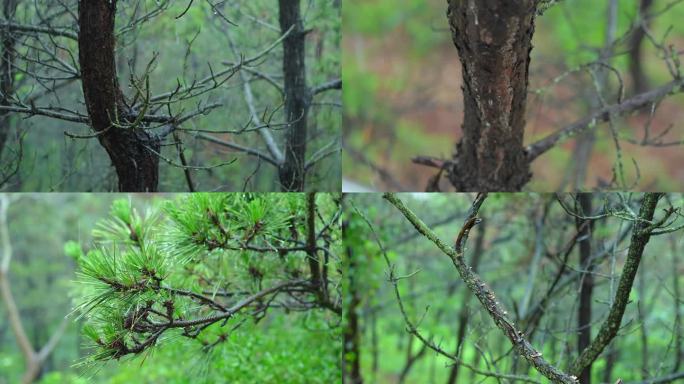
[464,313]
[584,227]
[676,295]
[6,71]
[131,149]
[352,337]
[611,358]
[494,40]
[636,70]
[297,97]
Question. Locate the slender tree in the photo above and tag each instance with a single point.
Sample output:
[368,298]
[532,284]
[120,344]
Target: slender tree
[34,358]
[297,96]
[585,230]
[636,39]
[7,41]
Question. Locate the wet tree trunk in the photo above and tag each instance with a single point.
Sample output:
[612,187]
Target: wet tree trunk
[131,149]
[584,228]
[6,71]
[292,172]
[494,40]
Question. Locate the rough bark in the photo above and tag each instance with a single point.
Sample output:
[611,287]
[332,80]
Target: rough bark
[610,327]
[636,70]
[494,40]
[292,172]
[6,71]
[131,148]
[584,228]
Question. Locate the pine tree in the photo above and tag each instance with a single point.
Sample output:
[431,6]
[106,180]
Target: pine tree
[202,265]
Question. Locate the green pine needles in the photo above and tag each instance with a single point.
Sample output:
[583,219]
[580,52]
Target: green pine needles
[201,265]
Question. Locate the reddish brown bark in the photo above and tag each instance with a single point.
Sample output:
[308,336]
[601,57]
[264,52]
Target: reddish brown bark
[494,40]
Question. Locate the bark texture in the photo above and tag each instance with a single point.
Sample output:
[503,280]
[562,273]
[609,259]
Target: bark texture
[6,71]
[494,40]
[130,148]
[609,329]
[297,96]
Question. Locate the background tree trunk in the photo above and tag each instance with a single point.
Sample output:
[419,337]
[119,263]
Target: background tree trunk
[351,362]
[584,228]
[636,70]
[130,149]
[6,71]
[494,40]
[297,97]
[464,312]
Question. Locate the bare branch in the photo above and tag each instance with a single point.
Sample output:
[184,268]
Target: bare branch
[484,294]
[534,150]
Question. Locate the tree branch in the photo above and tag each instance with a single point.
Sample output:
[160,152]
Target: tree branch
[484,294]
[238,147]
[534,150]
[611,325]
[33,359]
[332,84]
[32,28]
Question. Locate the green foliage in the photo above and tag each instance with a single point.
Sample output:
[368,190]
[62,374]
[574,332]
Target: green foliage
[184,257]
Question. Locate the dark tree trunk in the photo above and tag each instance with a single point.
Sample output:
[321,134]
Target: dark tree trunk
[611,358]
[131,149]
[636,70]
[375,347]
[676,296]
[584,228]
[6,71]
[411,358]
[352,338]
[464,314]
[494,40]
[297,97]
